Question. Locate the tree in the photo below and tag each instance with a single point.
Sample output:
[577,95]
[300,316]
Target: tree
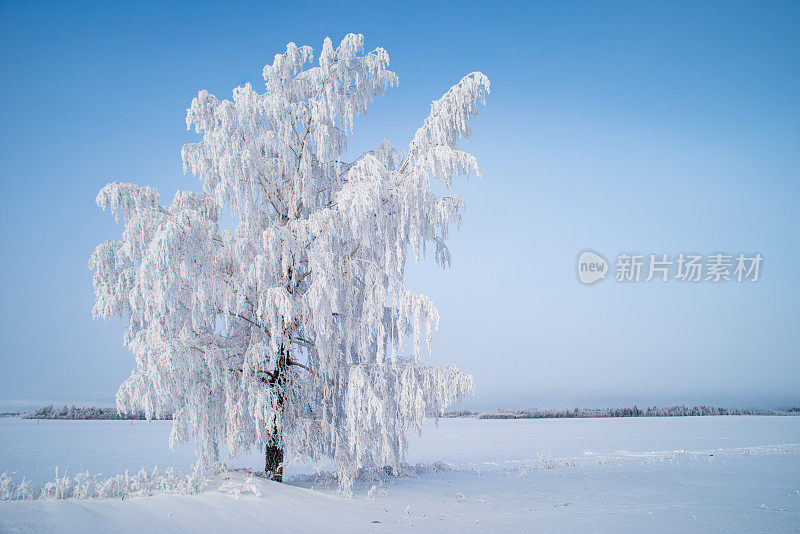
[287,331]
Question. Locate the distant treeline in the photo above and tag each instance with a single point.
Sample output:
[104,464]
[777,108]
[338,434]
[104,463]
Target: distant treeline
[73,412]
[653,411]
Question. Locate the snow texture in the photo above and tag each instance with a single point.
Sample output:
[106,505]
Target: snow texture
[698,474]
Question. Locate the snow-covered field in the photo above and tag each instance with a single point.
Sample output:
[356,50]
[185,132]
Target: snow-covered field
[690,474]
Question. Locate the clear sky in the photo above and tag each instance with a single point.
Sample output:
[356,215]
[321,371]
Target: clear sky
[644,127]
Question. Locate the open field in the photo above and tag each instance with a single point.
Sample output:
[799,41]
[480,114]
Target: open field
[711,474]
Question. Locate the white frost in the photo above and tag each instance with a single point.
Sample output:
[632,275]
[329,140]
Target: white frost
[290,330]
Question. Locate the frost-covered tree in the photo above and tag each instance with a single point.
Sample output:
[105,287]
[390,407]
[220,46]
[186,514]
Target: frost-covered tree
[288,330]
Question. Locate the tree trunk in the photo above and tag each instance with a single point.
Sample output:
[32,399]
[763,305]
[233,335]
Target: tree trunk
[274,468]
[274,450]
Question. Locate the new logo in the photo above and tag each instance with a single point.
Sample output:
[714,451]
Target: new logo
[591,267]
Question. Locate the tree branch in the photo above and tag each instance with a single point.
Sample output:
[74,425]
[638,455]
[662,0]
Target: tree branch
[298,364]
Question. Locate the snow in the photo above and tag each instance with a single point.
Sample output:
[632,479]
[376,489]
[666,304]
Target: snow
[689,474]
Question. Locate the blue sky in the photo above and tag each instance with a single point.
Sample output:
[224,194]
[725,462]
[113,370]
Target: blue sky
[638,127]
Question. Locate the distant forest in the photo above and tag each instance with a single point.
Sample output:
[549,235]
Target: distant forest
[73,412]
[652,411]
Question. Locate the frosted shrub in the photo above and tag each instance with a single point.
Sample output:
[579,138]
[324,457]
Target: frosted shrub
[87,486]
[13,491]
